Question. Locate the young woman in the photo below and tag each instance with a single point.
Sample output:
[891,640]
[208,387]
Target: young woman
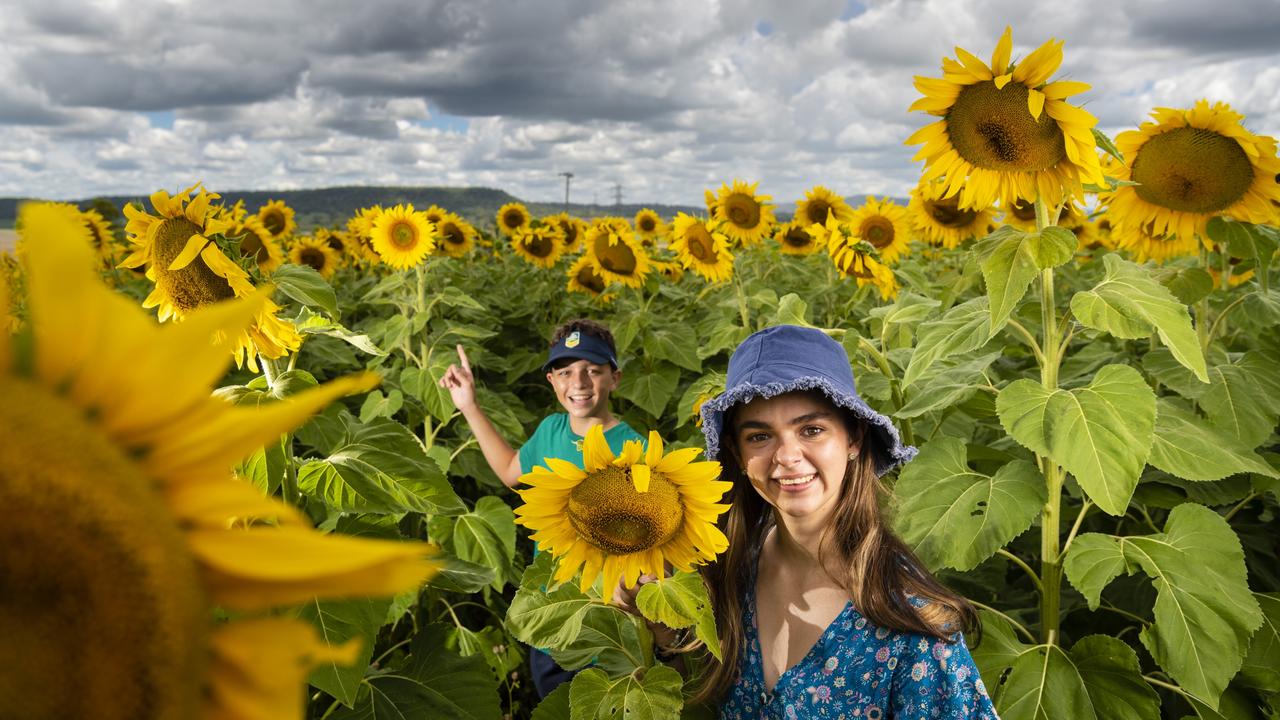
[821,611]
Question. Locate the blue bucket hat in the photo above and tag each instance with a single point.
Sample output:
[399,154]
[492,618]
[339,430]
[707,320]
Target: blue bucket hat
[785,358]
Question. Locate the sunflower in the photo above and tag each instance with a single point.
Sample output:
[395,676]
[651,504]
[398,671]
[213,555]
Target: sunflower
[941,221]
[820,202]
[337,241]
[574,230]
[360,231]
[1191,165]
[702,248]
[314,251]
[855,257]
[794,238]
[1144,245]
[102,237]
[277,218]
[709,198]
[119,558]
[512,217]
[1022,215]
[1006,132]
[748,217]
[672,271]
[542,245]
[435,214]
[190,271]
[615,253]
[583,277]
[625,516]
[457,237]
[257,243]
[402,236]
[885,225]
[650,226]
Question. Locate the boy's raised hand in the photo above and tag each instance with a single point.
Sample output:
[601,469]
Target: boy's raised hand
[460,383]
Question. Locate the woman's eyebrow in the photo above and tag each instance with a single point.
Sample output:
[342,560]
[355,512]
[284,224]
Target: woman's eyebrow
[798,420]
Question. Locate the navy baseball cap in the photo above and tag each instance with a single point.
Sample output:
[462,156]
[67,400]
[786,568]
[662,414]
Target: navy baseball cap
[581,346]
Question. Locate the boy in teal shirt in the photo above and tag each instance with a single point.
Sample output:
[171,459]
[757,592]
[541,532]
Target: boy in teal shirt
[582,368]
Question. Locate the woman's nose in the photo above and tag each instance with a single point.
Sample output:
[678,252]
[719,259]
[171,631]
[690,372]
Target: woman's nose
[788,451]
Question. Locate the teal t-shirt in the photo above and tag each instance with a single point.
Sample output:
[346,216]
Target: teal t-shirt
[554,438]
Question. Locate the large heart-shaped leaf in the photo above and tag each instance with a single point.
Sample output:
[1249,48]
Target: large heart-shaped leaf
[956,517]
[487,536]
[681,601]
[1243,399]
[1130,303]
[547,618]
[650,390]
[1262,665]
[961,329]
[337,622]
[1191,448]
[1101,433]
[1204,611]
[652,694]
[305,285]
[610,639]
[1011,258]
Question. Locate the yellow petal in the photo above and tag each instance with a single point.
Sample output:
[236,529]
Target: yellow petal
[1065,88]
[640,478]
[215,504]
[677,459]
[595,450]
[1035,69]
[1000,57]
[258,668]
[1035,103]
[632,451]
[653,455]
[973,64]
[190,251]
[565,469]
[1002,80]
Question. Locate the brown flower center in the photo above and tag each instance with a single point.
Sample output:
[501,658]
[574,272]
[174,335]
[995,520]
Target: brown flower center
[617,258]
[742,210]
[993,129]
[1192,170]
[700,243]
[404,235]
[274,221]
[313,257]
[608,512]
[194,285]
[947,213]
[797,237]
[512,219]
[588,279]
[816,211]
[877,230]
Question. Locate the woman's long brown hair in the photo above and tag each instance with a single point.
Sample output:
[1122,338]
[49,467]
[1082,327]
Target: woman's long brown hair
[881,571]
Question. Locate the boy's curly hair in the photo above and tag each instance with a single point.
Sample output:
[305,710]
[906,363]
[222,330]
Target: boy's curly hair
[586,327]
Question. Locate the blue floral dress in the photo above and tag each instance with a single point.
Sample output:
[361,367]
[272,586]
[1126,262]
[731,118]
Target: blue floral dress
[858,671]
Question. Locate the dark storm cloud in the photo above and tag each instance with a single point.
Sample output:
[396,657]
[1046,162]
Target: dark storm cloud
[1238,27]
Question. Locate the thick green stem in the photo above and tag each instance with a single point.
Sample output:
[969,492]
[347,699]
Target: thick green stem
[742,301]
[1051,515]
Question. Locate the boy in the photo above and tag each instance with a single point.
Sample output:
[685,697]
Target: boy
[582,367]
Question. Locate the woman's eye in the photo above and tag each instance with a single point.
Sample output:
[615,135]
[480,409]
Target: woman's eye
[757,437]
[811,431]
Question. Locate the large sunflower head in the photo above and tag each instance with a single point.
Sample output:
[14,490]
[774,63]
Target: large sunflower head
[856,258]
[748,218]
[818,203]
[314,251]
[650,227]
[542,245]
[702,247]
[120,560]
[583,278]
[190,270]
[616,254]
[402,236]
[1192,165]
[257,243]
[794,238]
[625,516]
[941,221]
[1006,132]
[574,229]
[885,225]
[277,218]
[512,217]
[457,237]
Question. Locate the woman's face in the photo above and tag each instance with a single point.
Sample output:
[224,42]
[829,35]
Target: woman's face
[794,449]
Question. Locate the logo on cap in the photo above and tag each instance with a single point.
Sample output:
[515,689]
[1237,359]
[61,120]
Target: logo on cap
[572,340]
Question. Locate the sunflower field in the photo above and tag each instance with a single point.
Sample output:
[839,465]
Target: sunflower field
[237,488]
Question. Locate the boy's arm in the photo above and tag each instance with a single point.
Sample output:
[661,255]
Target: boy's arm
[461,384]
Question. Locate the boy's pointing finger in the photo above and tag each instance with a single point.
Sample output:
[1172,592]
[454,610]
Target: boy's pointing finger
[462,355]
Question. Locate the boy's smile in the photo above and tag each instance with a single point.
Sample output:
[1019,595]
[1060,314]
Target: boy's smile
[583,387]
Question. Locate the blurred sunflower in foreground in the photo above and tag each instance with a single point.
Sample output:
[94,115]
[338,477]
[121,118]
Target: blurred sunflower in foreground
[1190,166]
[177,246]
[126,537]
[1006,132]
[627,515]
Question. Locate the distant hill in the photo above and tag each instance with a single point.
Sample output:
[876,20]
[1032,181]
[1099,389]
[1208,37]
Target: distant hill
[331,206]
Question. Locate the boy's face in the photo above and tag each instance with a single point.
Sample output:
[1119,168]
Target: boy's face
[583,387]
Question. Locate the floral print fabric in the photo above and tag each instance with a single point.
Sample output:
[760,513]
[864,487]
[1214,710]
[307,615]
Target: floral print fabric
[858,671]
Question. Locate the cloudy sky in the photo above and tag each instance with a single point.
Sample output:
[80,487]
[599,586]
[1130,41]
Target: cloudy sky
[664,97]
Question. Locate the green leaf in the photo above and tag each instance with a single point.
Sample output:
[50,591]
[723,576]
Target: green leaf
[377,405]
[265,468]
[1161,365]
[455,297]
[681,601]
[1099,679]
[435,683]
[908,309]
[1106,145]
[725,336]
[955,517]
[305,285]
[1261,668]
[1129,303]
[310,323]
[340,621]
[1011,258]
[677,344]
[387,473]
[652,694]
[652,390]
[1260,310]
[1189,285]
[1204,611]
[487,536]
[547,618]
[610,639]
[946,386]
[998,650]
[1101,434]
[792,311]
[1245,240]
[1243,399]
[424,384]
[461,576]
[624,334]
[554,706]
[961,329]
[1190,448]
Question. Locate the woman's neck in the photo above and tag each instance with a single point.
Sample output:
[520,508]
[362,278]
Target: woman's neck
[800,544]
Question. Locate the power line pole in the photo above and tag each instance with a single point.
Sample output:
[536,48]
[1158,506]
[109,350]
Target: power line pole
[567,177]
[617,194]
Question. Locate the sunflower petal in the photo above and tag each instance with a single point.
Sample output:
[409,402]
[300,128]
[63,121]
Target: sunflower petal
[595,450]
[653,454]
[1000,56]
[565,469]
[640,478]
[1035,103]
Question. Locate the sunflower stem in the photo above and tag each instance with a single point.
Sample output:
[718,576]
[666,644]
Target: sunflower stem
[742,301]
[1202,309]
[1050,537]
